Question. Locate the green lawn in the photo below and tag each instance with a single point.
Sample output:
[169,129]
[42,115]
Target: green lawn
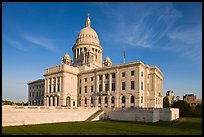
[181,126]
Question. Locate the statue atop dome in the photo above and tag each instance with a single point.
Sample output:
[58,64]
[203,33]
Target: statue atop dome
[88,21]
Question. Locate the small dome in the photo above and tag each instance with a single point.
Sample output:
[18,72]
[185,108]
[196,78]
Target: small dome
[66,56]
[107,59]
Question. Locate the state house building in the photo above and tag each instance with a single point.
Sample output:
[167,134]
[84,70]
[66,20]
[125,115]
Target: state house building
[88,81]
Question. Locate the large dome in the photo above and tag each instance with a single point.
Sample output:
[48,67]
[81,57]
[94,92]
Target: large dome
[87,35]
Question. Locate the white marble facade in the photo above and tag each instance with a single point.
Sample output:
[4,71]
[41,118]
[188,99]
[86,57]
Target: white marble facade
[87,81]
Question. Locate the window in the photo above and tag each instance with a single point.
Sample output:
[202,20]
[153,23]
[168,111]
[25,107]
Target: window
[40,86]
[85,89]
[100,77]
[141,74]
[91,78]
[123,99]
[141,85]
[132,99]
[141,99]
[123,85]
[112,100]
[33,87]
[91,88]
[123,74]
[113,86]
[30,94]
[85,101]
[54,88]
[106,100]
[80,90]
[100,87]
[132,73]
[50,88]
[107,87]
[85,79]
[37,86]
[132,84]
[91,100]
[33,94]
[37,94]
[58,88]
[113,75]
[73,103]
[80,81]
[107,76]
[99,100]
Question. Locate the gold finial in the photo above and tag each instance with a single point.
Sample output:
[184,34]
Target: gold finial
[88,21]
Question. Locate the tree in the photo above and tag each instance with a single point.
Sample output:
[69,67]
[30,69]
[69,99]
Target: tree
[184,108]
[165,102]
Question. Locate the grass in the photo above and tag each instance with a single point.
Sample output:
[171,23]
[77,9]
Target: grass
[181,126]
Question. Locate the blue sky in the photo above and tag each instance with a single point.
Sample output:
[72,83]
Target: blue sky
[35,36]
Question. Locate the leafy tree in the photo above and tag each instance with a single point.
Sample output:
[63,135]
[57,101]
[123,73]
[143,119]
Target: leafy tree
[184,108]
[165,102]
[6,102]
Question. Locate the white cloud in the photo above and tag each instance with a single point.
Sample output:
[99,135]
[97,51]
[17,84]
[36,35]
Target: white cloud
[40,41]
[14,43]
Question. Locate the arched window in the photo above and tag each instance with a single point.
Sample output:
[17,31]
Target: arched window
[112,100]
[132,99]
[106,99]
[123,99]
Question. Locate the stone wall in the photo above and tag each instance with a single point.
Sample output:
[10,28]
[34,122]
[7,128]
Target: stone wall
[139,114]
[25,115]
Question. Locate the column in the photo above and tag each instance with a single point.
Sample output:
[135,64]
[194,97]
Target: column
[51,101]
[102,101]
[109,101]
[56,82]
[103,83]
[60,84]
[110,82]
[55,101]
[117,89]
[96,83]
[45,87]
[95,101]
[51,85]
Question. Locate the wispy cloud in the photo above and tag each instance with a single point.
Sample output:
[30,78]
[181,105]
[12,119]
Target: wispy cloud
[40,41]
[14,43]
[143,25]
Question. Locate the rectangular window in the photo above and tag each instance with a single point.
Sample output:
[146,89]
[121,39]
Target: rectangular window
[37,94]
[30,94]
[132,73]
[58,88]
[141,74]
[123,74]
[123,85]
[141,85]
[30,87]
[91,78]
[80,90]
[80,81]
[107,87]
[42,93]
[85,89]
[85,79]
[100,77]
[50,89]
[33,94]
[132,84]
[54,88]
[113,86]
[141,99]
[37,86]
[107,76]
[100,87]
[91,88]
[113,75]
